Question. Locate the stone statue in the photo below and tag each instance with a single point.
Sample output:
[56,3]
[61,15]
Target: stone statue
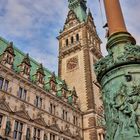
[8,128]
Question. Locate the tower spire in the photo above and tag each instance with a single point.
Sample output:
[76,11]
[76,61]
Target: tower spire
[79,7]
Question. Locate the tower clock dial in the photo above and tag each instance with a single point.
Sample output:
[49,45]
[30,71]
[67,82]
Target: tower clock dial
[72,63]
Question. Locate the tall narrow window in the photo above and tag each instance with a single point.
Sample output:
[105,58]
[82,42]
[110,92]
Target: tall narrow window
[18,130]
[1,120]
[38,102]
[77,37]
[52,137]
[75,120]
[65,113]
[36,134]
[9,59]
[52,108]
[26,69]
[41,77]
[45,137]
[22,93]
[1,82]
[6,83]
[28,134]
[67,42]
[72,40]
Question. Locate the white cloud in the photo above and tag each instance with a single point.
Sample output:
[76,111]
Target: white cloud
[34,25]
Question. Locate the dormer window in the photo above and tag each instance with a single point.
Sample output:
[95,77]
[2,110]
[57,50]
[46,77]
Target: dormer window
[8,56]
[40,75]
[41,78]
[9,59]
[64,89]
[25,66]
[53,82]
[77,37]
[26,69]
[64,93]
[74,94]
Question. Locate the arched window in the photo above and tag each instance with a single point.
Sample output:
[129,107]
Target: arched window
[67,42]
[77,37]
[72,40]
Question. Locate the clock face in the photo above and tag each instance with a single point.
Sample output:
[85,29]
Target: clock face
[72,63]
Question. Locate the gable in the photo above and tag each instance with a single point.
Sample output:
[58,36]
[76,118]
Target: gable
[40,121]
[4,106]
[23,114]
[71,20]
[55,127]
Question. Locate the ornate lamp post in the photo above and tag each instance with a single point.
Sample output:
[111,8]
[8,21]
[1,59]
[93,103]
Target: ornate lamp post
[119,76]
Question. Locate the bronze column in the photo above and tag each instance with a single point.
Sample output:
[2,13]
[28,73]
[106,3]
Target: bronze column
[114,16]
[119,76]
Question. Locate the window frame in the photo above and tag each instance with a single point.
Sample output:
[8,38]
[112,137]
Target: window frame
[77,37]
[38,101]
[1,119]
[52,108]
[67,42]
[22,93]
[4,84]
[72,40]
[18,130]
[1,82]
[36,135]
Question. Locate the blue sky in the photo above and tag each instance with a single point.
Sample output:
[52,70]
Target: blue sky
[33,25]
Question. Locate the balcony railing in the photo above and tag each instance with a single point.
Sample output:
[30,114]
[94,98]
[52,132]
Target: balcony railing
[71,46]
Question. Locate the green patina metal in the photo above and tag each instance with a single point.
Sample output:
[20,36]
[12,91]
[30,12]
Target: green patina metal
[79,7]
[22,57]
[119,76]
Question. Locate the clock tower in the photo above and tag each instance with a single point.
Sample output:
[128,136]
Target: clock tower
[79,49]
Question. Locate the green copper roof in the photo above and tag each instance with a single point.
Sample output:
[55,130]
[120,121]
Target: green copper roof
[20,56]
[79,7]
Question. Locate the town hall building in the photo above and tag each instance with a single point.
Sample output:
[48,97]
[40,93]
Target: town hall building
[36,104]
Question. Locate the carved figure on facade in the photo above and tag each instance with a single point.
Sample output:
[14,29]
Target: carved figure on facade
[123,111]
[103,64]
[130,54]
[8,127]
[126,104]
